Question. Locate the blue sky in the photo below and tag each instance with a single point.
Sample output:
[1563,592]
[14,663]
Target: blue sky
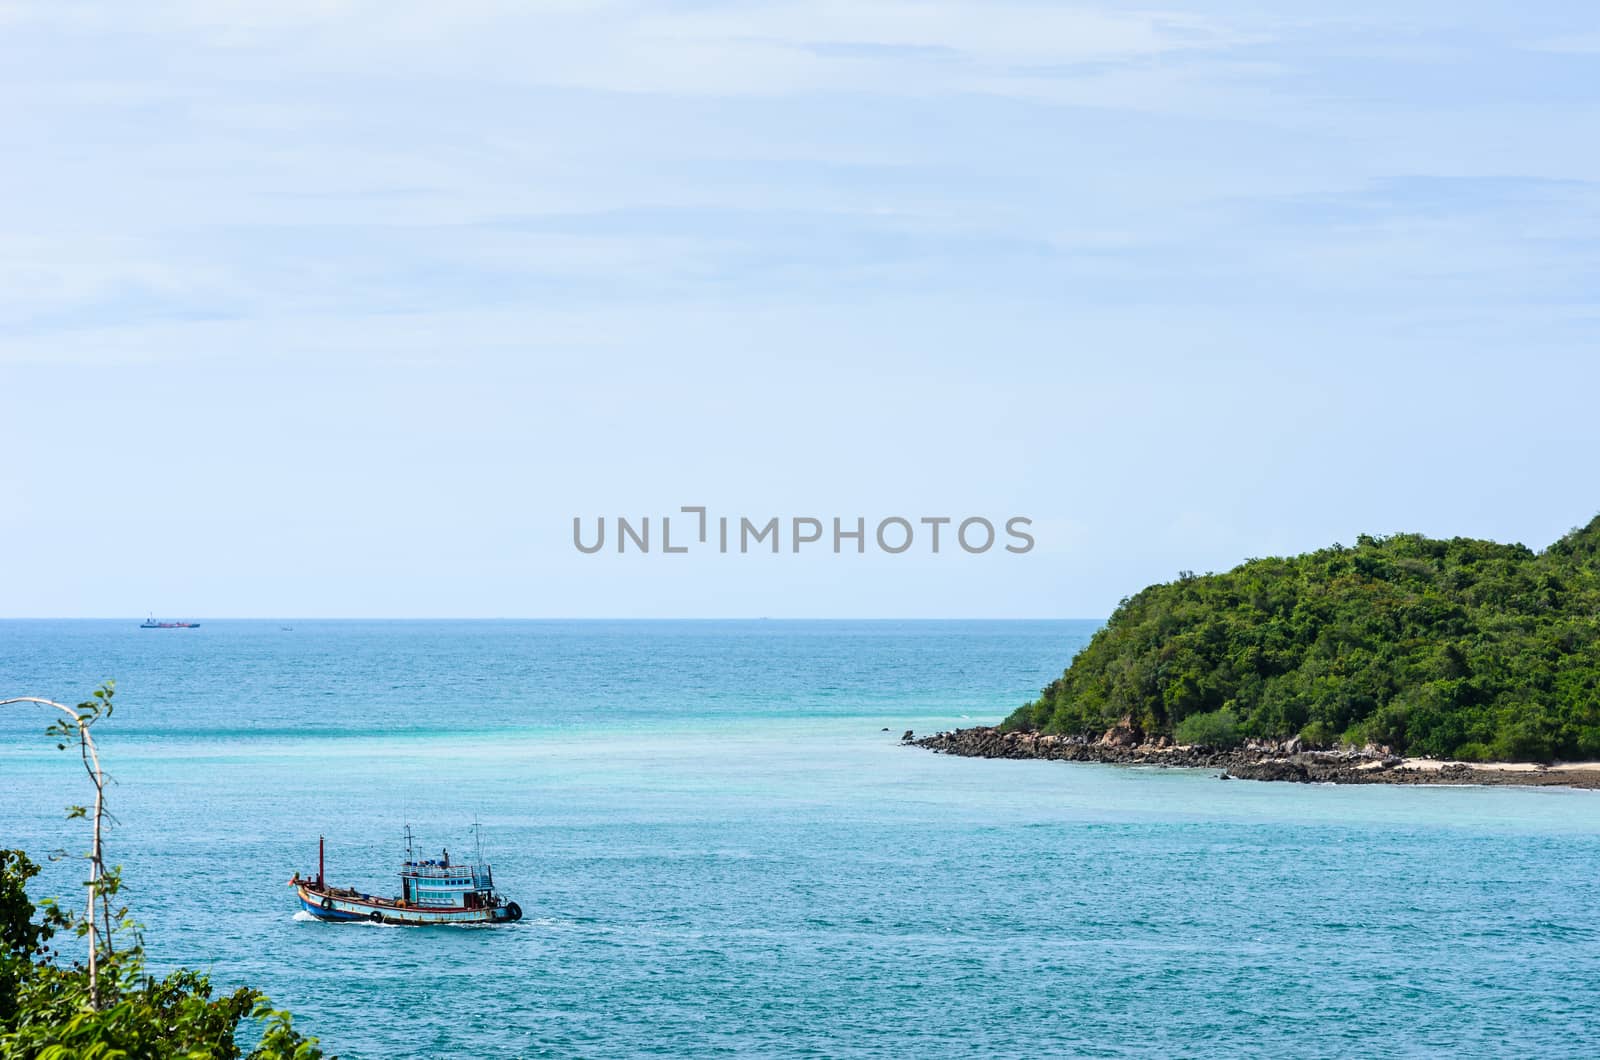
[349,308]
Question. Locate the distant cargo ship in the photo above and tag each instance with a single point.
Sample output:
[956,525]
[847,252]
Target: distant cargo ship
[151,623]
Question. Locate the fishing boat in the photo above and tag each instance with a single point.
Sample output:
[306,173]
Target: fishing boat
[151,623]
[432,891]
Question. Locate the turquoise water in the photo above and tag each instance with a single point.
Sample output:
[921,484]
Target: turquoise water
[721,852]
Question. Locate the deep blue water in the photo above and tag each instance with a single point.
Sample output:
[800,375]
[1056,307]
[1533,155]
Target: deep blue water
[722,853]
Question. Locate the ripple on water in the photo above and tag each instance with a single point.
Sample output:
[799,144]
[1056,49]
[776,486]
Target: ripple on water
[715,862]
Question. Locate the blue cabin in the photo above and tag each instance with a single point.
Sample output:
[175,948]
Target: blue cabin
[434,883]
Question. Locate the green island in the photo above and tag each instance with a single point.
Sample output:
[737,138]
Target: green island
[1458,648]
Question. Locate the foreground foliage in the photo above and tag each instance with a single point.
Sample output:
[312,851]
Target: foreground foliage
[1458,648]
[46,1010]
[108,1007]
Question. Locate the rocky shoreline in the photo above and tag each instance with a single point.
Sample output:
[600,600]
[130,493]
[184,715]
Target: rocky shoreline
[1285,761]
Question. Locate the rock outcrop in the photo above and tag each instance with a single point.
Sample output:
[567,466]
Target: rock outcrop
[1289,760]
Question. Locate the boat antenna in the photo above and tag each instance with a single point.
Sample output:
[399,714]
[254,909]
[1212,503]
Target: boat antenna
[477,841]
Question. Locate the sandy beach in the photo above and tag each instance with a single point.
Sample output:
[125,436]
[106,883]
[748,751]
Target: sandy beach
[1502,767]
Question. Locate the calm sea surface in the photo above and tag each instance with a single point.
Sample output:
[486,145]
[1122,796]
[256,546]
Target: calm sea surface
[722,853]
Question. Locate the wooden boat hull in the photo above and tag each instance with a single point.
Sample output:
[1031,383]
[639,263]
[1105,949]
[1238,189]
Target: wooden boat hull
[343,908]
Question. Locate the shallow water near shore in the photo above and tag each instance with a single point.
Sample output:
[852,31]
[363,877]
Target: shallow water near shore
[720,852]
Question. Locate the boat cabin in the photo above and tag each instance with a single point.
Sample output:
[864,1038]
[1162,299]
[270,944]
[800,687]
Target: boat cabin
[435,883]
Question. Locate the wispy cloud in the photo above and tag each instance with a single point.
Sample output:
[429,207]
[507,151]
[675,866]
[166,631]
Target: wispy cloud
[184,163]
[762,49]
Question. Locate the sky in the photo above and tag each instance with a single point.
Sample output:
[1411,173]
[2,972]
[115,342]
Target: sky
[348,309]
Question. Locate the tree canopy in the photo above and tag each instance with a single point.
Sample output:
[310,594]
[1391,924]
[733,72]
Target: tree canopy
[48,1011]
[1453,648]
[108,1006]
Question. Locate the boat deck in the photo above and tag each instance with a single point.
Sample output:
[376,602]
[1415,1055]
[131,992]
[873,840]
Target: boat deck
[345,904]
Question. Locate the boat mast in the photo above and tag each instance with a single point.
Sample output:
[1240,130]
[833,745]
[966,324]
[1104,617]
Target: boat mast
[321,842]
[408,842]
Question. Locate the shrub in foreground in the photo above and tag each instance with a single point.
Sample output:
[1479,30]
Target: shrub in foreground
[109,1007]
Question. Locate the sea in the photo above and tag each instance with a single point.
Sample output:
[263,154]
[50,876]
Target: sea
[723,849]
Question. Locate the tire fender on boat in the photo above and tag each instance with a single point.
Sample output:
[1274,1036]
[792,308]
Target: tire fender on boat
[513,911]
[375,916]
[327,903]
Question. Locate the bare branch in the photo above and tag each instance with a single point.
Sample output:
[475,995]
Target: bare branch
[99,909]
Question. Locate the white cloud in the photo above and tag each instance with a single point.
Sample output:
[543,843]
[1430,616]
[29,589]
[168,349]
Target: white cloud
[1571,43]
[730,49]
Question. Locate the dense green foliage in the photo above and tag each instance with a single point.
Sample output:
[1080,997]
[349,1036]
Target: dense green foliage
[46,1011]
[1214,728]
[1459,648]
[111,1008]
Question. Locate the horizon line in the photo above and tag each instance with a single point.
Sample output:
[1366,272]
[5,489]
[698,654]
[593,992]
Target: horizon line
[558,618]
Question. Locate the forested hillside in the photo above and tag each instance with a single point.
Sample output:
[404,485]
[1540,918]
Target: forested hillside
[1460,648]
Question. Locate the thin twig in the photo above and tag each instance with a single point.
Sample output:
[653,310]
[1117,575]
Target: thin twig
[98,906]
